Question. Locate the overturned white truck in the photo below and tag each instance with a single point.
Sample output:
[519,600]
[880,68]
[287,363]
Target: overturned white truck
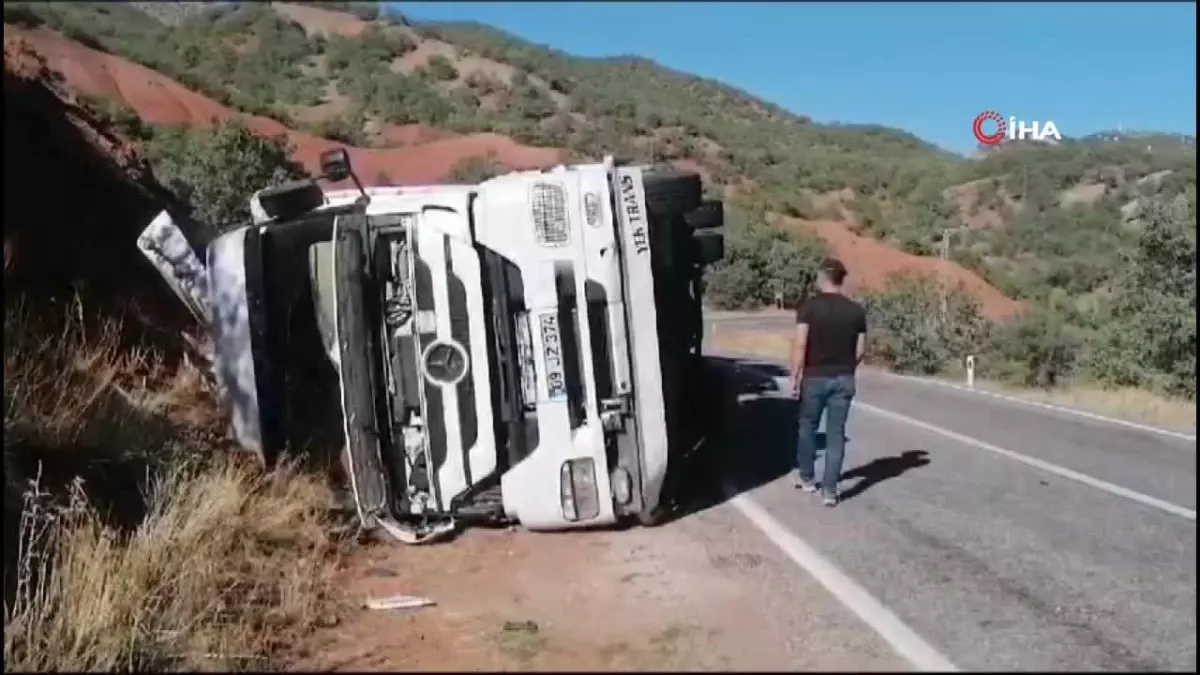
[526,349]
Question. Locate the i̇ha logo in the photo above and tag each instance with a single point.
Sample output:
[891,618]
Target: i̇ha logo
[991,128]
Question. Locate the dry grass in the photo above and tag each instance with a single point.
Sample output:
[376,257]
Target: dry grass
[224,565]
[1134,405]
[225,570]
[767,345]
[73,381]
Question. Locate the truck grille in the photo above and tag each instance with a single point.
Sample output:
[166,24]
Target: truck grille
[442,411]
[549,210]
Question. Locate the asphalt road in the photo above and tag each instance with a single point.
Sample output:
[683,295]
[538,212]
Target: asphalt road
[1006,536]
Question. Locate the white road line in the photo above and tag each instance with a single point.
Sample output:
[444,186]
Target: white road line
[1047,406]
[882,620]
[1055,469]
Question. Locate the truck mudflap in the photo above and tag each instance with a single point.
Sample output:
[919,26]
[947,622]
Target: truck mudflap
[641,323]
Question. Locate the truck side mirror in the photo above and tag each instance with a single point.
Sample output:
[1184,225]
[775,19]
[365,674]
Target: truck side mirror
[335,165]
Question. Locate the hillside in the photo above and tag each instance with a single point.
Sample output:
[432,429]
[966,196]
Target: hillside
[405,139]
[1033,221]
[159,100]
[52,248]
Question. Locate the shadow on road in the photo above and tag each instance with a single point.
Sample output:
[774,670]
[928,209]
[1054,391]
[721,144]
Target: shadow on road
[881,469]
[756,444]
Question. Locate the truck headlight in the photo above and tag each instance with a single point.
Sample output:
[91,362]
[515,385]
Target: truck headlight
[577,486]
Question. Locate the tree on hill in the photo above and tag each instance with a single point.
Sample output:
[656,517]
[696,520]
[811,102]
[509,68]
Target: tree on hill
[1148,338]
[217,169]
[761,260]
[472,170]
[908,332]
[440,69]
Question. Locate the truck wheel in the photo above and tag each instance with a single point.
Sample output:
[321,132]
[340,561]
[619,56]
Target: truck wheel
[670,191]
[708,216]
[717,390]
[652,517]
[711,247]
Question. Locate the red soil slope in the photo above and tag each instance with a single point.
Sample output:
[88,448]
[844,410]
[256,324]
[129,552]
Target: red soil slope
[871,262]
[160,100]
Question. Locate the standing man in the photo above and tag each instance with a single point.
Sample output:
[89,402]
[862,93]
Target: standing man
[830,341]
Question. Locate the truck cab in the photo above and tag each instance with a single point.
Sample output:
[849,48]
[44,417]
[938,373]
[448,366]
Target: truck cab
[520,350]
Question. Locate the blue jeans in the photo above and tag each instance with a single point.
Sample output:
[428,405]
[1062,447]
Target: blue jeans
[832,396]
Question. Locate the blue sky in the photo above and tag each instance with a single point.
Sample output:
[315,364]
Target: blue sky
[929,68]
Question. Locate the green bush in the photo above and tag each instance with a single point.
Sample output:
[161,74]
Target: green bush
[217,169]
[441,69]
[1148,338]
[1038,348]
[907,331]
[761,260]
[21,16]
[483,84]
[118,117]
[341,129]
[474,170]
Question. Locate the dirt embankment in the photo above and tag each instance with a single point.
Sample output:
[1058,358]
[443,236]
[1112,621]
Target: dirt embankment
[158,99]
[76,196]
[872,263]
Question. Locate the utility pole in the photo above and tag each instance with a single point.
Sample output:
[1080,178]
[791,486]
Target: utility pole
[944,254]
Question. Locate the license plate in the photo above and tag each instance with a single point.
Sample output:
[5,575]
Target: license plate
[556,380]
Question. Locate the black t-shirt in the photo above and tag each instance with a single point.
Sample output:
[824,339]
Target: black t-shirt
[834,324]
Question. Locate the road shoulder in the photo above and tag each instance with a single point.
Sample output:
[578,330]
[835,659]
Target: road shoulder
[702,593]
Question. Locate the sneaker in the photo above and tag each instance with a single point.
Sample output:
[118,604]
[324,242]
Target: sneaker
[829,500]
[805,485]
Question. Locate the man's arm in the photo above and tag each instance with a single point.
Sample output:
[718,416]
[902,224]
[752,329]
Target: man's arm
[799,348]
[799,344]
[860,345]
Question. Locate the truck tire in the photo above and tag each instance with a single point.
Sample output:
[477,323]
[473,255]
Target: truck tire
[672,192]
[710,245]
[652,517]
[708,216]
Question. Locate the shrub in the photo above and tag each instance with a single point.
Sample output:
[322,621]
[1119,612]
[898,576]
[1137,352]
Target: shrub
[342,130]
[219,168]
[21,16]
[475,170]
[761,260]
[906,329]
[1038,348]
[440,68]
[1148,338]
[117,116]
